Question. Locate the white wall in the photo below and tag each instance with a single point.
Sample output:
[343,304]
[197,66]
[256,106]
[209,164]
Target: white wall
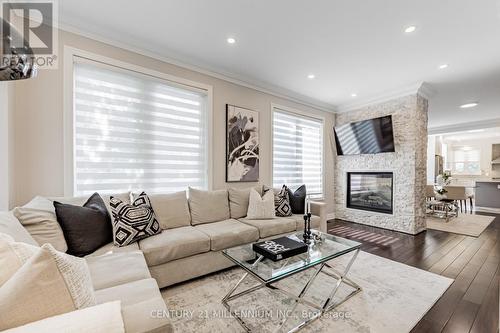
[39,147]
[431,160]
[4,146]
[6,151]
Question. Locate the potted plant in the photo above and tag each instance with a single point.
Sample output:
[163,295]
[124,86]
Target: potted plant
[442,180]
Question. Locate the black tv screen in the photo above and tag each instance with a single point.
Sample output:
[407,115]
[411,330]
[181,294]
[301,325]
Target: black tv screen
[371,136]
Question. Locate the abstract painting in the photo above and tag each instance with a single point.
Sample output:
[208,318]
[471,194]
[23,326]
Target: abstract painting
[242,144]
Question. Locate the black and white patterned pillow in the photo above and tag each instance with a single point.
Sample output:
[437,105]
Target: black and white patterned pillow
[282,203]
[133,222]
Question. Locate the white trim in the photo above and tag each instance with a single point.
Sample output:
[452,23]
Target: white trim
[208,70]
[294,111]
[487,210]
[481,124]
[421,88]
[70,53]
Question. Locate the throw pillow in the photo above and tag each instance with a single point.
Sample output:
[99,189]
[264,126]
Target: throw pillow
[297,200]
[49,283]
[133,222]
[238,201]
[282,203]
[85,228]
[12,256]
[39,218]
[260,207]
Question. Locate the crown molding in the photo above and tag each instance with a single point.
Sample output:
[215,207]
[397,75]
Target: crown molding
[422,88]
[481,124]
[192,65]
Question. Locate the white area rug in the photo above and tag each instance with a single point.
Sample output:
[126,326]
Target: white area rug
[464,224]
[394,298]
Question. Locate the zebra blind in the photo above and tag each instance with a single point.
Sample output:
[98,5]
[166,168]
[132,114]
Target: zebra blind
[136,132]
[297,151]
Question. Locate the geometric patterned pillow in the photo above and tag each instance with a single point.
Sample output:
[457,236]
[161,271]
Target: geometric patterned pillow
[133,222]
[282,203]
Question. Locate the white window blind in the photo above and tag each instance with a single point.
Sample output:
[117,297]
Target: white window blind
[297,151]
[136,132]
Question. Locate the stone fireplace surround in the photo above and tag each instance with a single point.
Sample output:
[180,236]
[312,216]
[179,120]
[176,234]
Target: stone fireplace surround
[408,164]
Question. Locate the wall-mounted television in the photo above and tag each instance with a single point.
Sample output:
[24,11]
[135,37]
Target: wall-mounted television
[371,136]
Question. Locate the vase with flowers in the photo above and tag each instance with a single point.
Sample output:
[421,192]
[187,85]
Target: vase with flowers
[442,180]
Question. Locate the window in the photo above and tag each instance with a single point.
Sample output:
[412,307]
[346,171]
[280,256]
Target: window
[136,132]
[297,151]
[464,160]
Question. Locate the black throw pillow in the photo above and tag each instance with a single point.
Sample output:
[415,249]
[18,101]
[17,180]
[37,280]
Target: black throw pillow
[297,199]
[85,228]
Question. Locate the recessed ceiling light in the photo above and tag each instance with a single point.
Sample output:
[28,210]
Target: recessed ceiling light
[443,66]
[410,29]
[469,105]
[354,95]
[231,40]
[476,131]
[311,76]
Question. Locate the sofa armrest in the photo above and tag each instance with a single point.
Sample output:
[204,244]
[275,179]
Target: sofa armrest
[102,318]
[319,209]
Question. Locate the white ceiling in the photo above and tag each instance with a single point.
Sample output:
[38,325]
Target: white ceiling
[355,46]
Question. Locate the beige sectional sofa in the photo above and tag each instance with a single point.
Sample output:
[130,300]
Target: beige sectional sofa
[194,233]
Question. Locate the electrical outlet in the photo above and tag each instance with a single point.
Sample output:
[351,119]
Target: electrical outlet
[498,186]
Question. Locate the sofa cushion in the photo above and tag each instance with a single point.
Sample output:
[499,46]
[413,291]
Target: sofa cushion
[208,206]
[39,218]
[102,318]
[86,228]
[172,210]
[272,227]
[173,244]
[143,308]
[299,219]
[11,226]
[131,265]
[47,284]
[112,248]
[228,233]
[238,201]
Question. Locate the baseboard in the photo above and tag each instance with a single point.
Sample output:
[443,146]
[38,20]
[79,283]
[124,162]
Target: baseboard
[487,210]
[330,216]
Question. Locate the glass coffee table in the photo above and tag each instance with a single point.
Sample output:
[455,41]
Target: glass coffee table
[267,272]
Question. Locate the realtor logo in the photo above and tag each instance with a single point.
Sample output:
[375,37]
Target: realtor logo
[29,28]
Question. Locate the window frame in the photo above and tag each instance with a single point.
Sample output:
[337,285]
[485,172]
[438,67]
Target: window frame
[73,54]
[299,113]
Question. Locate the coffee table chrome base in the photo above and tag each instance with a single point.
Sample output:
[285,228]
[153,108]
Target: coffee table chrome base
[328,305]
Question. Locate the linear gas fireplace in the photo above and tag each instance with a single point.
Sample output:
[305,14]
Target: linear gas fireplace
[370,191]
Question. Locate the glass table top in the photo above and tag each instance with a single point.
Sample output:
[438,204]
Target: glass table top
[328,248]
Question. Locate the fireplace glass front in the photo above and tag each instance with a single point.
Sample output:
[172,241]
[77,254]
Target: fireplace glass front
[370,191]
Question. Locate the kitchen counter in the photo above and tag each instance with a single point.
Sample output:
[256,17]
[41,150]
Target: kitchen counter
[488,193]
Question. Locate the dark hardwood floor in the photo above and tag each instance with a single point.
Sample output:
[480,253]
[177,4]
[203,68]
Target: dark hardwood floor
[471,302]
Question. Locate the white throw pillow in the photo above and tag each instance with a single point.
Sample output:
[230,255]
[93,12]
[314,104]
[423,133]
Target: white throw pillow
[46,284]
[260,208]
